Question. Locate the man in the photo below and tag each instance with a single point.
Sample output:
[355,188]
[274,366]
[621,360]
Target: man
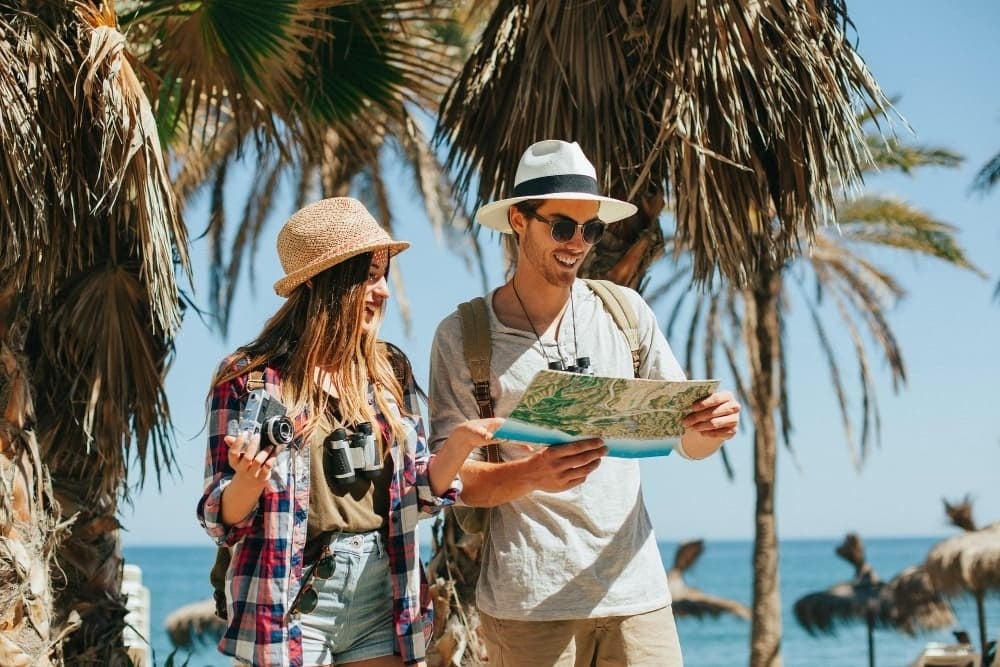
[571,572]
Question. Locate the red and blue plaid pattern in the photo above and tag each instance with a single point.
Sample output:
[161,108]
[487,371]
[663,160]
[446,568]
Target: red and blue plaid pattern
[266,569]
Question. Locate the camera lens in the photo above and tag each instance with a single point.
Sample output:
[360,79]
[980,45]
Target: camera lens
[279,430]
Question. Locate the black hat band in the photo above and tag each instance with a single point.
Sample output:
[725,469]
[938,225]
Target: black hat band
[548,185]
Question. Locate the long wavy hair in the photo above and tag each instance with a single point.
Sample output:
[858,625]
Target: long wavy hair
[316,340]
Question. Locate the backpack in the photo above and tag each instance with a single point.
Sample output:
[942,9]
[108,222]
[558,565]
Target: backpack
[475,319]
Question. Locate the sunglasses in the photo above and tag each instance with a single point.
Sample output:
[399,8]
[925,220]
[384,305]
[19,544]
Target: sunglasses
[564,228]
[307,599]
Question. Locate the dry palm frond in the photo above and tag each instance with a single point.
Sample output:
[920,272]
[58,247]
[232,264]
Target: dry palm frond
[736,108]
[853,551]
[970,563]
[193,624]
[960,513]
[915,605]
[908,603]
[687,554]
[967,562]
[689,601]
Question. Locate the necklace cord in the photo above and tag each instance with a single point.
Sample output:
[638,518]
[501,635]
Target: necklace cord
[572,306]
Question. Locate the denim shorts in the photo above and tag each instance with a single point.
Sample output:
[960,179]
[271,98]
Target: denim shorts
[353,620]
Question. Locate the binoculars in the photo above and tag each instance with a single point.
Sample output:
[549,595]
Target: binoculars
[582,366]
[347,457]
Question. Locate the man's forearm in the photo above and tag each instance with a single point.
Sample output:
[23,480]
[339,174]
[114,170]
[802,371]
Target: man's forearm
[490,484]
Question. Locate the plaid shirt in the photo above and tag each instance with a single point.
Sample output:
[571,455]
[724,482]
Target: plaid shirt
[267,561]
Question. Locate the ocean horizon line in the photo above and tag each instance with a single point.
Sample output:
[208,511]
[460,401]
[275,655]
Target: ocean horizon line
[715,540]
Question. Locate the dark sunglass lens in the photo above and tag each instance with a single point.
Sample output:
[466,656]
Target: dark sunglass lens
[563,229]
[324,568]
[308,599]
[593,231]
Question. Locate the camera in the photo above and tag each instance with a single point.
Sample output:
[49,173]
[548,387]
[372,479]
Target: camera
[264,414]
[346,457]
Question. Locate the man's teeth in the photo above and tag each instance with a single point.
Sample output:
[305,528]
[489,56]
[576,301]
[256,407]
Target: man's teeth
[568,261]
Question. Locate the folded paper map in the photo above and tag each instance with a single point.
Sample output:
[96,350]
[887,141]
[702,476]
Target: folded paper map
[635,417]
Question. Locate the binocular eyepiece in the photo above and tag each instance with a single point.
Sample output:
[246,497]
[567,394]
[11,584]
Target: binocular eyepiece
[346,457]
[582,366]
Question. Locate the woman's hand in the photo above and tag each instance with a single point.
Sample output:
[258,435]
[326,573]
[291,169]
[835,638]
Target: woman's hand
[474,433]
[248,459]
[252,466]
[452,453]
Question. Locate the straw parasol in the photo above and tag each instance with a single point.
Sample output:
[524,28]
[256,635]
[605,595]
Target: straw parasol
[689,601]
[195,622]
[907,603]
[969,562]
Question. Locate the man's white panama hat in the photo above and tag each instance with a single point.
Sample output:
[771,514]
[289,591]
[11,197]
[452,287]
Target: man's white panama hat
[553,169]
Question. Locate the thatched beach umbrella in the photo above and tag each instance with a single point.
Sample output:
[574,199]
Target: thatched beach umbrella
[907,603]
[690,601]
[969,562]
[194,623]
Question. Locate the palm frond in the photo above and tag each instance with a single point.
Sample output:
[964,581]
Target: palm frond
[891,223]
[737,110]
[102,375]
[893,153]
[988,175]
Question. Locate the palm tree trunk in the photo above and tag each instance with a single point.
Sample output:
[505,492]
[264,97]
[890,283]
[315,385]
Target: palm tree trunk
[89,579]
[27,534]
[762,337]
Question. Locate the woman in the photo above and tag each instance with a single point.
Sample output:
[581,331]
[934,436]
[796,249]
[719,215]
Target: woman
[325,568]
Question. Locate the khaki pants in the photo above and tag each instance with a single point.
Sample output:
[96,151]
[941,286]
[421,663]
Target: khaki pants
[643,640]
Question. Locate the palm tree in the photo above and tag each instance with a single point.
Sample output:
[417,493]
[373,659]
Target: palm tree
[727,319]
[91,245]
[89,300]
[985,180]
[741,114]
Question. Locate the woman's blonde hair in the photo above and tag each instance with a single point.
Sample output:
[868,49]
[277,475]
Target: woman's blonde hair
[315,338]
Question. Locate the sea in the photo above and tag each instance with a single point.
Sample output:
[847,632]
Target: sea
[178,575]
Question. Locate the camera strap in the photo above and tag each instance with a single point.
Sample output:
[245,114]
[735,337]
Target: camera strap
[255,381]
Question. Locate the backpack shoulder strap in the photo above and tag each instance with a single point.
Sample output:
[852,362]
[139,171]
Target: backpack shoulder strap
[621,312]
[478,350]
[400,363]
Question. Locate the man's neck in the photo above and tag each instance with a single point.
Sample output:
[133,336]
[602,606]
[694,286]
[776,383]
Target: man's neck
[531,305]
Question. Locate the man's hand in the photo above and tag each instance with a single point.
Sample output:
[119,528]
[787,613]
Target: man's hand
[559,467]
[711,421]
[715,416]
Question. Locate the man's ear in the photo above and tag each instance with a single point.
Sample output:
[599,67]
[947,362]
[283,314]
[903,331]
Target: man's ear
[517,220]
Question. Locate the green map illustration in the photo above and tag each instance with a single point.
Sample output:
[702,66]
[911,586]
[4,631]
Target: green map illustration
[593,406]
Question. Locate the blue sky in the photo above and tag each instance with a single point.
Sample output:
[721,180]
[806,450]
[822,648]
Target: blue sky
[940,432]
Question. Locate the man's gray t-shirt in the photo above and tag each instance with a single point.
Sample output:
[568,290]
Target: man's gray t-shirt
[587,552]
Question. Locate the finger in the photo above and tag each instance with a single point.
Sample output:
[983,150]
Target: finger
[712,400]
[694,419]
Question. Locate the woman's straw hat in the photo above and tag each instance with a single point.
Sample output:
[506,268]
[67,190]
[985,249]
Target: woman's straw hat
[324,234]
[554,169]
